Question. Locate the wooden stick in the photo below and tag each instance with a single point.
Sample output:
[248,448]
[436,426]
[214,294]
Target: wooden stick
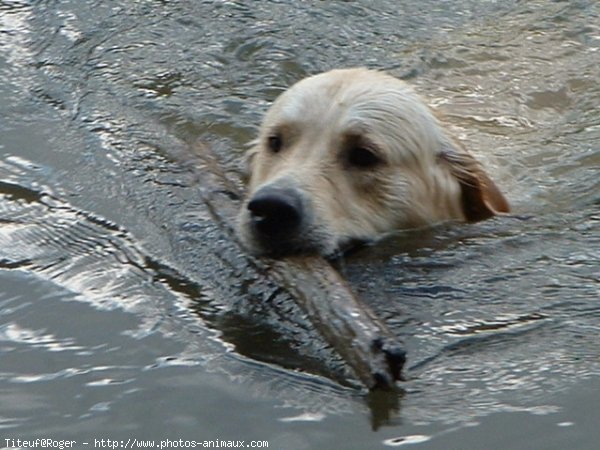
[343,320]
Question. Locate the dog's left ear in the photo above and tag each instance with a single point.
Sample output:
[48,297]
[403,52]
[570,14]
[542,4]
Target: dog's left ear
[481,198]
[249,157]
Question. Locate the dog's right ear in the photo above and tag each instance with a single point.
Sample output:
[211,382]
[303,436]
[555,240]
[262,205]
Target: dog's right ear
[481,198]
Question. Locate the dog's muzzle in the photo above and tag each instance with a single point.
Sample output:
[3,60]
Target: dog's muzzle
[276,214]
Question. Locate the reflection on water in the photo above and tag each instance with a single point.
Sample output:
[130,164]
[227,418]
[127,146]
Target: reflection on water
[107,297]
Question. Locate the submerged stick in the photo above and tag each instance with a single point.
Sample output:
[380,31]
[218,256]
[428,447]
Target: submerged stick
[348,325]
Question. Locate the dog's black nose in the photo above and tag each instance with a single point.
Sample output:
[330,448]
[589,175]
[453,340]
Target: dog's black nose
[276,212]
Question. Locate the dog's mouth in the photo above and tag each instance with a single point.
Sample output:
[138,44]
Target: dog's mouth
[309,242]
[312,241]
[349,246]
[282,248]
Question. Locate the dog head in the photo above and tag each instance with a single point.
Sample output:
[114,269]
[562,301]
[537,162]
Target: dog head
[349,155]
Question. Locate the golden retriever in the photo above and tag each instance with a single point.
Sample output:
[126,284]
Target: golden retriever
[349,155]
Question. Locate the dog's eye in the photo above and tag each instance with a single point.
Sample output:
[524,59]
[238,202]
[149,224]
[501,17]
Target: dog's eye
[275,142]
[362,157]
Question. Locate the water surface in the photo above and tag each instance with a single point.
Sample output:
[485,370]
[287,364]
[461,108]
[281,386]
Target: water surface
[112,326]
